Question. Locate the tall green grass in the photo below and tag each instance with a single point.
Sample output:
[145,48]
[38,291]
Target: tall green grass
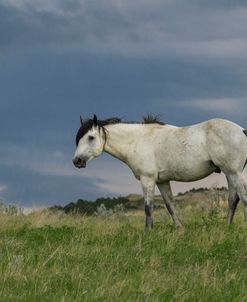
[49,256]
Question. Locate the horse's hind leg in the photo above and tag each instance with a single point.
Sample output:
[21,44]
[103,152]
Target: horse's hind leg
[166,192]
[233,201]
[232,205]
[240,186]
[243,195]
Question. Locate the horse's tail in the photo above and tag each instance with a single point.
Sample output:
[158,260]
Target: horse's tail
[245,132]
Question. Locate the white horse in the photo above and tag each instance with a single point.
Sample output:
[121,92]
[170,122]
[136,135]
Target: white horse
[158,153]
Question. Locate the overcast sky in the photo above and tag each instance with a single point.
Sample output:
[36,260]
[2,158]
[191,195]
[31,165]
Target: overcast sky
[185,60]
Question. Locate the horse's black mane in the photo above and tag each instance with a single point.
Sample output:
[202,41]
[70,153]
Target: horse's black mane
[152,119]
[88,124]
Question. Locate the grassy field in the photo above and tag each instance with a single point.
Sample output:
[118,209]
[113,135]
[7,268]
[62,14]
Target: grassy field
[49,256]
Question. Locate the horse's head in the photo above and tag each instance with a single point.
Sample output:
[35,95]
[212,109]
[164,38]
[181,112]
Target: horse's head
[90,140]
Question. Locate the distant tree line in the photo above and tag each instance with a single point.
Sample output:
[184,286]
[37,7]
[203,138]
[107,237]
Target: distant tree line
[90,207]
[194,190]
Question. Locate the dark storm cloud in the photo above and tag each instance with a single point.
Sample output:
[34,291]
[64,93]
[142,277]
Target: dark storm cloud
[62,25]
[127,28]
[27,29]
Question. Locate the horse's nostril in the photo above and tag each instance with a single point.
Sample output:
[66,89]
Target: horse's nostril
[76,160]
[79,162]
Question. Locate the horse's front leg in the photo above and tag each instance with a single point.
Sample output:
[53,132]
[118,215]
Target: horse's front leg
[148,185]
[166,193]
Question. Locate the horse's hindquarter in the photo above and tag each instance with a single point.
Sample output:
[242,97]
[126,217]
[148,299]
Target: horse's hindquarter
[227,145]
[181,154]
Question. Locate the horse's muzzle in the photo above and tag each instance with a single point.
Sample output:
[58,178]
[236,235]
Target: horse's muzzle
[79,163]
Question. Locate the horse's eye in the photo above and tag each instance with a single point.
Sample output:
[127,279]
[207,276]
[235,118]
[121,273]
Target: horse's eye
[91,138]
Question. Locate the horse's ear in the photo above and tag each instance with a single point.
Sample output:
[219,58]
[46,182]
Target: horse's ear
[95,120]
[81,120]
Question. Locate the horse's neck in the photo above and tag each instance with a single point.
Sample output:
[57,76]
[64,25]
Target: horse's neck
[120,138]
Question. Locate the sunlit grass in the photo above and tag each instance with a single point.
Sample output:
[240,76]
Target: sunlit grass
[49,256]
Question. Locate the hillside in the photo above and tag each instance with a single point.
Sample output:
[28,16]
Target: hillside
[202,197]
[196,197]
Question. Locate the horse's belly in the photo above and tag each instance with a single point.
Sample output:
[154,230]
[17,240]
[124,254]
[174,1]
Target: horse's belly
[186,174]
